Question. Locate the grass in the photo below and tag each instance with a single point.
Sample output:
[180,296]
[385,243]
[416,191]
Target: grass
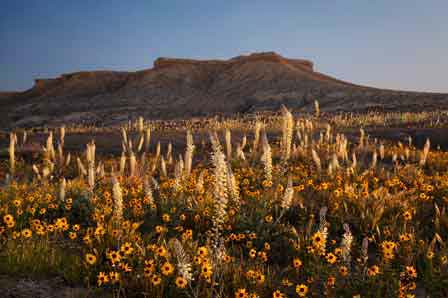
[355,219]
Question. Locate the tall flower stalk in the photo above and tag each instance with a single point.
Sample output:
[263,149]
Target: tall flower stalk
[287,133]
[233,187]
[228,144]
[183,262]
[90,154]
[347,244]
[147,138]
[256,135]
[266,159]
[316,108]
[316,160]
[189,151]
[220,189]
[12,153]
[287,196]
[117,195]
[425,152]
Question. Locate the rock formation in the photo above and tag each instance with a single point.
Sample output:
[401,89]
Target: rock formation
[182,88]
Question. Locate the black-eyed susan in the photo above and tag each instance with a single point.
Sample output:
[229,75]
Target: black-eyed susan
[338,251]
[388,245]
[331,280]
[260,278]
[297,263]
[226,259]
[412,286]
[388,255]
[373,270]
[206,270]
[241,293]
[51,228]
[90,258]
[114,277]
[318,240]
[159,229]
[8,218]
[126,267]
[166,217]
[331,258]
[278,294]
[407,215]
[188,234]
[114,256]
[252,236]
[202,251]
[161,251]
[254,295]
[27,233]
[147,271]
[198,260]
[102,278]
[126,248]
[263,256]
[86,239]
[266,184]
[267,246]
[252,253]
[167,269]
[343,271]
[250,274]
[156,279]
[9,221]
[404,237]
[181,282]
[444,260]
[301,290]
[411,272]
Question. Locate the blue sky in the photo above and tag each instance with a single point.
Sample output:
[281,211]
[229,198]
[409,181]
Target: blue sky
[394,44]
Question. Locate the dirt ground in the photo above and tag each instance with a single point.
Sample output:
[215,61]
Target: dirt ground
[16,287]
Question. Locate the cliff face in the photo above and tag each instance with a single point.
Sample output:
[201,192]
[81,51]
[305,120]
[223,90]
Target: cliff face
[257,57]
[181,88]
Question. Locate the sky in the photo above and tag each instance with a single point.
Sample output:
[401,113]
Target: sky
[396,44]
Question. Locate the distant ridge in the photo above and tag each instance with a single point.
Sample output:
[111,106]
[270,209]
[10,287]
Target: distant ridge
[183,88]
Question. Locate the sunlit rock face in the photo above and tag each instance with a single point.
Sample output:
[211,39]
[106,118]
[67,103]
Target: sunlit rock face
[183,88]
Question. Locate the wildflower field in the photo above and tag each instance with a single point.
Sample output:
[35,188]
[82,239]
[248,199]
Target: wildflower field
[277,206]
